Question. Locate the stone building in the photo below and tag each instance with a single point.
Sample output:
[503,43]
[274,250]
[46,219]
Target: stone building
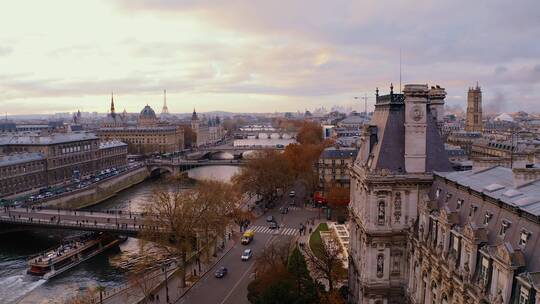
[31,161]
[207,131]
[148,136]
[399,150]
[474,110]
[334,164]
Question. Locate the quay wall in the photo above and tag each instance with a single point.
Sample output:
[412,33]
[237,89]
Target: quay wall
[99,192]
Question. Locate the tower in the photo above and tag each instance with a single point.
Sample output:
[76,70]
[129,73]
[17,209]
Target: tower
[113,114]
[474,110]
[165,110]
[415,127]
[194,122]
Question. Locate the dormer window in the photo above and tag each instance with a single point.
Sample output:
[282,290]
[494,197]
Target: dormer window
[487,217]
[472,210]
[505,225]
[524,237]
[448,196]
[459,204]
[438,193]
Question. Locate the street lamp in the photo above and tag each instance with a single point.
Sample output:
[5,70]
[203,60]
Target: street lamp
[164,269]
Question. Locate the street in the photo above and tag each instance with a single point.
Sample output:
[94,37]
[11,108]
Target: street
[232,289]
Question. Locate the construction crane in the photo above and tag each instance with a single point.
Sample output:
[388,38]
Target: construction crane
[365,98]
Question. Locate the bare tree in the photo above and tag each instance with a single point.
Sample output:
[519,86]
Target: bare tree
[275,256]
[326,261]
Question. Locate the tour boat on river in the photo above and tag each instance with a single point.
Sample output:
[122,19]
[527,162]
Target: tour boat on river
[71,253]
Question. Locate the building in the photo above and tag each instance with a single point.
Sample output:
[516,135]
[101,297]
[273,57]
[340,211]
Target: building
[399,150]
[148,136]
[113,119]
[474,110]
[32,161]
[476,239]
[206,131]
[463,139]
[334,164]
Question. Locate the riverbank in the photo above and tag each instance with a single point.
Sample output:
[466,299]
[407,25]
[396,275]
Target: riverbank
[99,192]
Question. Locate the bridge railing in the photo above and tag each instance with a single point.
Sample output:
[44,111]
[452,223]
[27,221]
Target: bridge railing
[109,227]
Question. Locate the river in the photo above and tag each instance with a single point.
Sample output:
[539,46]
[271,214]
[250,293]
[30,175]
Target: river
[107,269]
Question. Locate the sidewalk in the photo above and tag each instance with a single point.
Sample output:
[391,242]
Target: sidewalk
[155,286]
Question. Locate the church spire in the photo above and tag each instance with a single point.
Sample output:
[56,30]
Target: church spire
[112,103]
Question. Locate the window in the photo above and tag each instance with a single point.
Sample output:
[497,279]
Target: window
[487,218]
[472,210]
[438,193]
[505,225]
[524,237]
[484,268]
[459,204]
[523,295]
[448,196]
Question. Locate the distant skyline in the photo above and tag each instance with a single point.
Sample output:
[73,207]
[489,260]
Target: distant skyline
[262,56]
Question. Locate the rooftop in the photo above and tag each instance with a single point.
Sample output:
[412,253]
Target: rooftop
[339,153]
[55,138]
[13,159]
[111,143]
[499,183]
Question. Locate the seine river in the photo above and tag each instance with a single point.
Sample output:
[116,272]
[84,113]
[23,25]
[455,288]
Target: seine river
[106,269]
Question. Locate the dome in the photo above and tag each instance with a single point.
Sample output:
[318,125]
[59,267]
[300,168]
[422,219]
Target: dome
[504,117]
[148,113]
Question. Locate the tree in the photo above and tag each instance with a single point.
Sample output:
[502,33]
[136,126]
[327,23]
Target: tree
[264,175]
[304,284]
[190,137]
[337,196]
[310,133]
[302,160]
[326,261]
[183,223]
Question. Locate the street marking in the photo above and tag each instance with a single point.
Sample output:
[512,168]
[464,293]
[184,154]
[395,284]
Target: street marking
[281,230]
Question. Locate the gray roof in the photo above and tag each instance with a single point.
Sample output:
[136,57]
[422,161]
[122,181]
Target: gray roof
[19,158]
[339,153]
[111,144]
[499,184]
[354,119]
[55,138]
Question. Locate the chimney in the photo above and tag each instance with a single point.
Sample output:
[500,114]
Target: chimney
[416,100]
[436,103]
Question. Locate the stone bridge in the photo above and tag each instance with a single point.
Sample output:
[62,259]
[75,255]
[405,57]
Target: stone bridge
[125,223]
[177,166]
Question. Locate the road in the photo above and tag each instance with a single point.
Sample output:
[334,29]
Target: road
[232,289]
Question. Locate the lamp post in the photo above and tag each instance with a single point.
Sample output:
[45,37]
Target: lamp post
[166,282]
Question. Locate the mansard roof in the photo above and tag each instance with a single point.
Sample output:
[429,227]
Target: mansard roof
[389,152]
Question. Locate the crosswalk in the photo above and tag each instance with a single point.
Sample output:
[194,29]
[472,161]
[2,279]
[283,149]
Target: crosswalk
[281,230]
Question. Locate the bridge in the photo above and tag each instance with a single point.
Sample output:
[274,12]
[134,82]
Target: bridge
[125,223]
[176,166]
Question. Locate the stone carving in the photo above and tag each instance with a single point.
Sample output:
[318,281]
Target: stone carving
[381,213]
[380,265]
[397,207]
[417,113]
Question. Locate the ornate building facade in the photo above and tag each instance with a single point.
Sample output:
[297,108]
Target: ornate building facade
[149,135]
[398,151]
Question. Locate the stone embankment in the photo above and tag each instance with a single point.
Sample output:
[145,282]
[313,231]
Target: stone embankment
[98,192]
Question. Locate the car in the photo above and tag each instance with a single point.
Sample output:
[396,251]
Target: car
[292,203]
[246,255]
[270,218]
[292,193]
[284,210]
[273,225]
[221,272]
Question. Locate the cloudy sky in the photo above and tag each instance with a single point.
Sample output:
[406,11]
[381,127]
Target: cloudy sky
[262,56]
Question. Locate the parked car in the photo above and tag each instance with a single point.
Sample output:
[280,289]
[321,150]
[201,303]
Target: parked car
[292,193]
[221,272]
[270,218]
[284,210]
[246,255]
[273,225]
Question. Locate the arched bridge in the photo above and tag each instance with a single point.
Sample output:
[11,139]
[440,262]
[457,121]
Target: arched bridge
[176,166]
[122,223]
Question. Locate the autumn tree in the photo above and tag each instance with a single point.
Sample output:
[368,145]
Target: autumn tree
[184,222]
[337,196]
[326,261]
[190,137]
[302,160]
[263,175]
[310,133]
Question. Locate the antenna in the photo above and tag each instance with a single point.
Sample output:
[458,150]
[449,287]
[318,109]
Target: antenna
[400,71]
[365,103]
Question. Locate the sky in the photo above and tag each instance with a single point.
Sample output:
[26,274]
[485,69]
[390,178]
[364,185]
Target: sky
[263,56]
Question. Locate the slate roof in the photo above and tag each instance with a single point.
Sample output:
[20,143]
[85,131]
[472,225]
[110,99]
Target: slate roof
[389,152]
[56,138]
[333,153]
[19,158]
[499,184]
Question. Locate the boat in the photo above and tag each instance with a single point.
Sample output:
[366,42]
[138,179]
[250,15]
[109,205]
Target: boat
[71,253]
